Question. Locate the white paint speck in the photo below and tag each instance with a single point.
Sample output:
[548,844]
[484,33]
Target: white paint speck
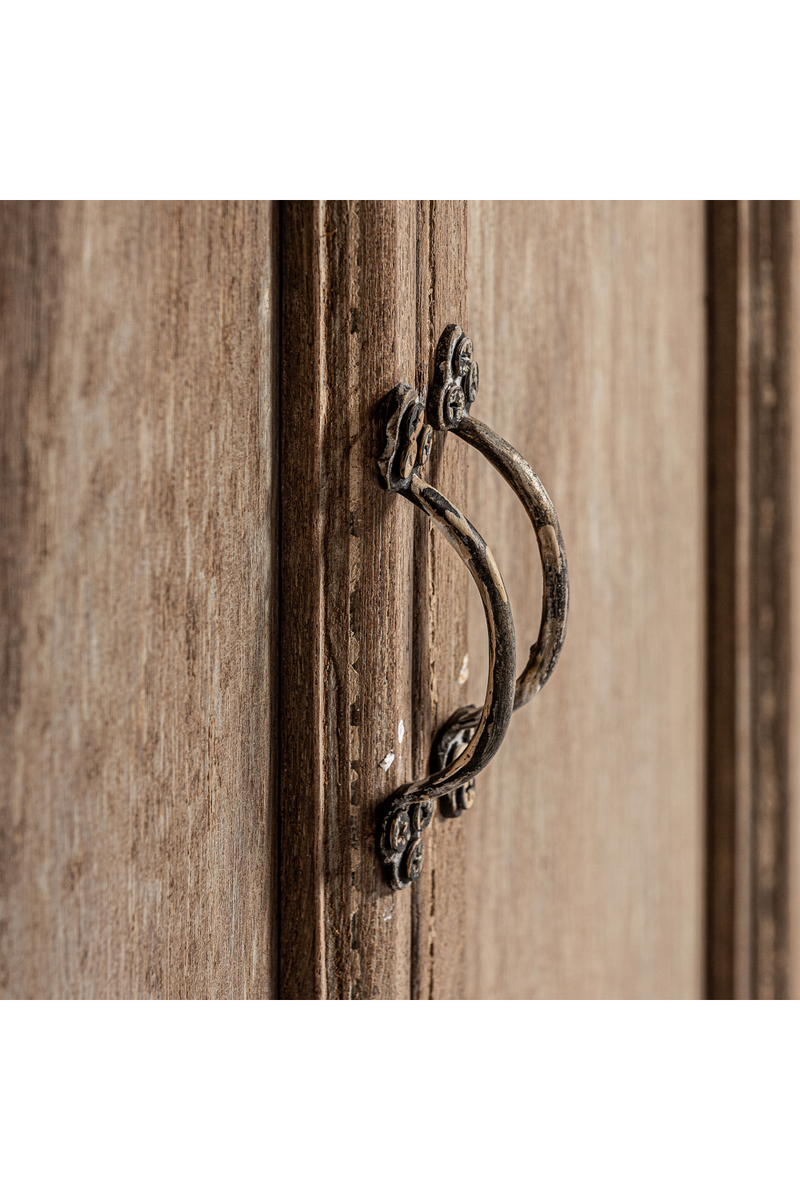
[385,763]
[401,732]
[463,674]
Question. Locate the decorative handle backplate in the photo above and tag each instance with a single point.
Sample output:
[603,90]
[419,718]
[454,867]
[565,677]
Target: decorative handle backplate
[471,737]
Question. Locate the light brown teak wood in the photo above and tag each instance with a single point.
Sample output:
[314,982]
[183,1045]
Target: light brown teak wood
[585,843]
[137,519]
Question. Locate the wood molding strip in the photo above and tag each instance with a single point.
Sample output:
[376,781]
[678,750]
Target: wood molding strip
[364,284]
[749,598]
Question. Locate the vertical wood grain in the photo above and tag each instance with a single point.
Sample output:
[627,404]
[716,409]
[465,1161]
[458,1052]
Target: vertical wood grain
[769,530]
[349,308]
[584,845]
[440,641]
[371,607]
[752,600]
[725,425]
[138,566]
[793,807]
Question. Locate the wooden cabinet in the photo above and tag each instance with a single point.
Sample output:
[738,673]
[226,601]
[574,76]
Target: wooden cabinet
[225,644]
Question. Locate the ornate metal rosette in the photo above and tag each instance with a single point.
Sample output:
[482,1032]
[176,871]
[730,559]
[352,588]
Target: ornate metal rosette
[402,848]
[408,438]
[451,739]
[455,379]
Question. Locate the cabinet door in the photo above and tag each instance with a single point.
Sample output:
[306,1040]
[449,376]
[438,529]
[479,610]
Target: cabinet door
[225,645]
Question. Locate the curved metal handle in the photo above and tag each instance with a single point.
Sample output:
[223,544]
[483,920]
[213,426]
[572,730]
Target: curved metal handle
[409,811]
[471,737]
[453,393]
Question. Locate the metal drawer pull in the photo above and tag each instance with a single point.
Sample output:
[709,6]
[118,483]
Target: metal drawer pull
[410,810]
[471,737]
[452,395]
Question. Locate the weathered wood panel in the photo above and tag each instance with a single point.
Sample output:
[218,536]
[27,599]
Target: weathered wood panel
[364,591]
[137,519]
[440,616]
[348,336]
[584,846]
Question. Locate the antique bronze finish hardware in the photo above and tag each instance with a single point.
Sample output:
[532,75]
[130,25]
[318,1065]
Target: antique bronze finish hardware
[471,737]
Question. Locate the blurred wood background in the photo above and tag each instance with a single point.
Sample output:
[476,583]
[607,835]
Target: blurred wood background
[585,844]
